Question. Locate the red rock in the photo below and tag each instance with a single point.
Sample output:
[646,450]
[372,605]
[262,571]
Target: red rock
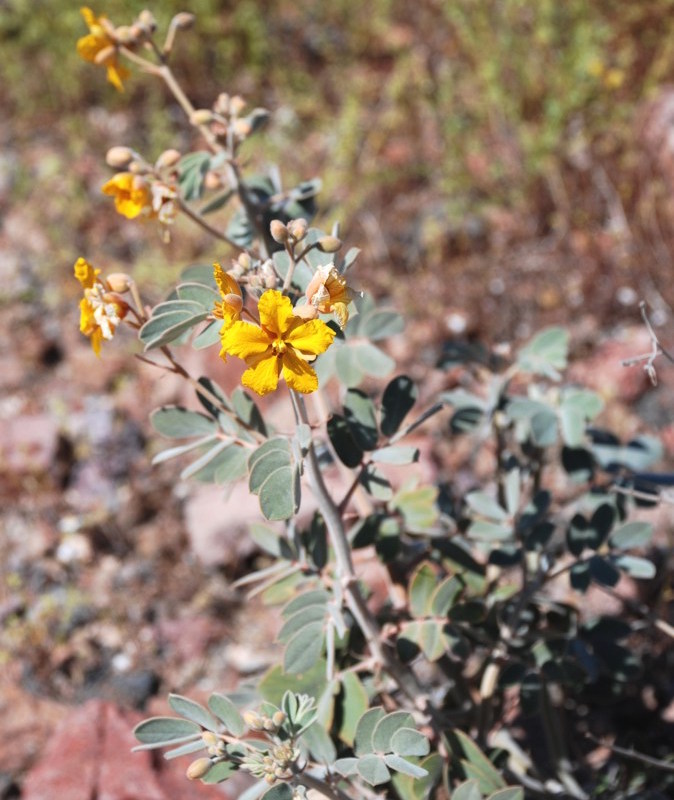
[89,757]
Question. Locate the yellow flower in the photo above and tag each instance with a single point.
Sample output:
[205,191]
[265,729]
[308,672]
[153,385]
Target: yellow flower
[328,293]
[132,194]
[229,310]
[283,344]
[100,310]
[95,42]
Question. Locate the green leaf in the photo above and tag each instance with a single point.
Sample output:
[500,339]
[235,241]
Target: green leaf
[280,494]
[192,169]
[636,567]
[422,585]
[198,293]
[445,594]
[489,531]
[395,455]
[342,439]
[160,731]
[304,648]
[217,202]
[264,465]
[419,788]
[247,411]
[373,361]
[219,772]
[512,491]
[360,415]
[209,336]
[396,402]
[632,534]
[380,324]
[417,506]
[481,503]
[320,744]
[399,764]
[546,353]
[409,742]
[232,464]
[375,483]
[346,766]
[227,713]
[185,749]
[300,620]
[201,467]
[578,407]
[365,729]
[511,793]
[354,703]
[387,726]
[276,682]
[240,229]
[468,790]
[429,636]
[346,364]
[281,791]
[317,597]
[373,770]
[603,572]
[173,452]
[193,711]
[476,757]
[176,422]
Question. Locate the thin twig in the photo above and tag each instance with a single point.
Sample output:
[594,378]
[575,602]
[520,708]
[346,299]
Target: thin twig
[667,766]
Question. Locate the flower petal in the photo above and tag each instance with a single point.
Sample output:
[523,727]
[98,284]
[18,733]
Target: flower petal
[311,338]
[262,374]
[226,284]
[276,312]
[85,273]
[245,340]
[117,74]
[298,374]
[89,46]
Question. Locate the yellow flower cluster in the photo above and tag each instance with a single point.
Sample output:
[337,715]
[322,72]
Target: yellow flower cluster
[101,310]
[100,48]
[282,344]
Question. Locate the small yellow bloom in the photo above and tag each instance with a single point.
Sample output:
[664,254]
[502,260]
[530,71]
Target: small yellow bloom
[132,194]
[100,310]
[229,310]
[95,42]
[283,344]
[328,292]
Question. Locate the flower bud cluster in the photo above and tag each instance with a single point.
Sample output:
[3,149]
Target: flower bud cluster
[273,765]
[263,722]
[291,233]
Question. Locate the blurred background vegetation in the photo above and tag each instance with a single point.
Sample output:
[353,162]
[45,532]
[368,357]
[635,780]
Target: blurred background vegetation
[440,128]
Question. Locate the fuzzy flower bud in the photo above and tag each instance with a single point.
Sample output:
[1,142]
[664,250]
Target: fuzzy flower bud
[279,232]
[128,34]
[197,769]
[253,720]
[119,157]
[202,116]
[297,228]
[169,158]
[236,105]
[329,244]
[278,718]
[242,128]
[147,20]
[183,21]
[118,282]
[209,738]
[244,261]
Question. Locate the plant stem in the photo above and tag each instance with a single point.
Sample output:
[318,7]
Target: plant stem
[195,216]
[346,574]
[321,786]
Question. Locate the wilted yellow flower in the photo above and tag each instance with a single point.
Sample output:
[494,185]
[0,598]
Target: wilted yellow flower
[328,292]
[91,46]
[101,311]
[132,194]
[283,344]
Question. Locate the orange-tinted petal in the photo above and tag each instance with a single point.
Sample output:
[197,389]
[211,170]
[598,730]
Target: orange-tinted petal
[276,312]
[245,340]
[226,284]
[89,46]
[262,374]
[117,74]
[311,338]
[298,374]
[85,273]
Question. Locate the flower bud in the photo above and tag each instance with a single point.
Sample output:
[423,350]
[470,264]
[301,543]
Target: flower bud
[221,105]
[297,228]
[118,282]
[202,116]
[104,55]
[278,718]
[147,20]
[209,738]
[307,311]
[128,34]
[197,769]
[242,128]
[139,183]
[183,21]
[234,301]
[329,244]
[236,105]
[253,720]
[119,157]
[169,158]
[212,180]
[279,232]
[244,261]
